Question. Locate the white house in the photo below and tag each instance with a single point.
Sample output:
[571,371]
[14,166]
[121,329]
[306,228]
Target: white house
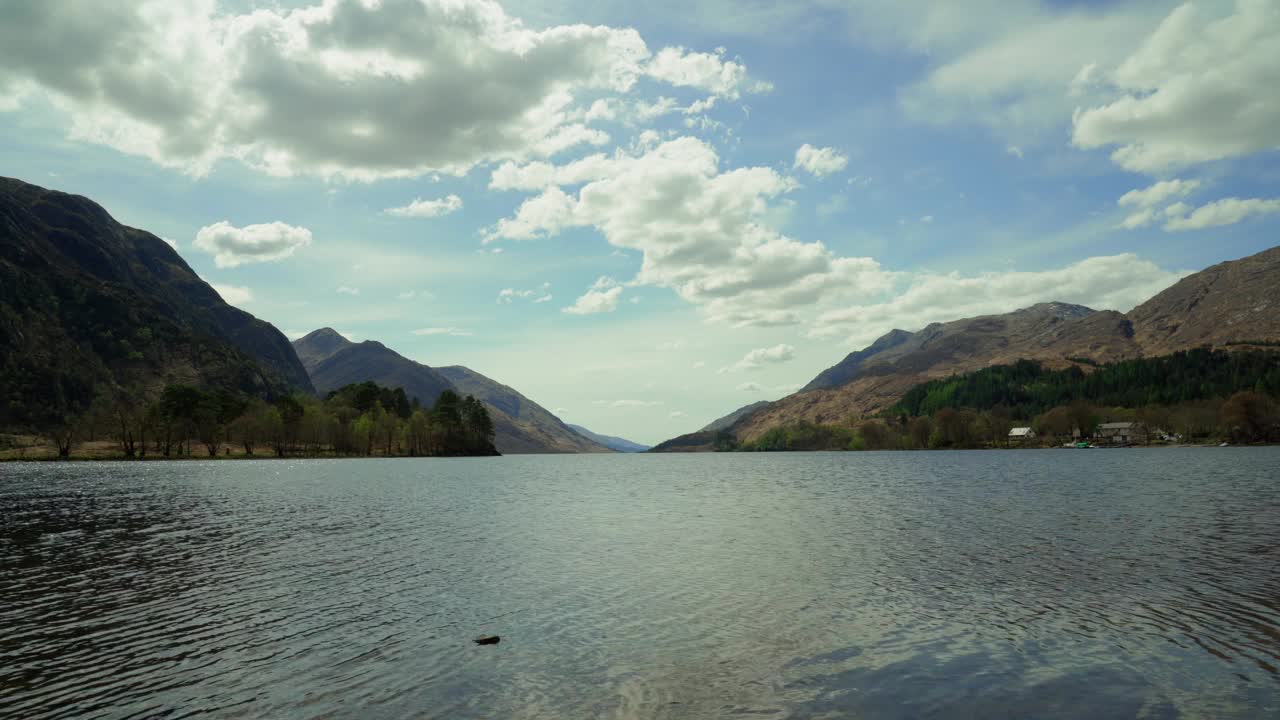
[1021,434]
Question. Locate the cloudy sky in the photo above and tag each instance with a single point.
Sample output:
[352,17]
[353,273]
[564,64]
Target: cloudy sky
[643,220]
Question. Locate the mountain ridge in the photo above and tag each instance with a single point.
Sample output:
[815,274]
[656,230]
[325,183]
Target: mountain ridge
[1233,302]
[522,425]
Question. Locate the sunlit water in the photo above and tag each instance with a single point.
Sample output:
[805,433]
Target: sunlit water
[1033,584]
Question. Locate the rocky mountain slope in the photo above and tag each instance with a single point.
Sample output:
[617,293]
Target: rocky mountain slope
[1230,304]
[610,441]
[522,425]
[89,305]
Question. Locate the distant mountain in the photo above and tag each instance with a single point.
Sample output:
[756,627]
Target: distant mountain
[733,417]
[522,425]
[88,304]
[609,441]
[1230,304]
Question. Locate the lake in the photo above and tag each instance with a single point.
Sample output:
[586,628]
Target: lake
[986,584]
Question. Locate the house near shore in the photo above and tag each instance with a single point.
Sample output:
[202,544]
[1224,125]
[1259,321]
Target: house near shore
[1121,433]
[1021,434]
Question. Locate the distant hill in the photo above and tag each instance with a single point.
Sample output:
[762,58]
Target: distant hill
[88,305]
[610,441]
[522,425]
[1234,304]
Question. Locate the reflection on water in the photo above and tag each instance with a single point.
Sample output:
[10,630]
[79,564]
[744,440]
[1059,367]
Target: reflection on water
[1117,584]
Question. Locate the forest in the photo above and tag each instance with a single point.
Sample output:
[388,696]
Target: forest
[359,420]
[1196,396]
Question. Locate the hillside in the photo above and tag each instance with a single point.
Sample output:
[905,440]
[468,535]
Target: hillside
[610,441]
[88,305]
[1229,305]
[1231,302]
[733,417]
[522,425]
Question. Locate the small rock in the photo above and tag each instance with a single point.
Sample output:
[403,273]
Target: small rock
[488,640]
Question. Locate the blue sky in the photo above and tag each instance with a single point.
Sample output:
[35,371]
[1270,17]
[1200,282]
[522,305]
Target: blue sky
[645,219]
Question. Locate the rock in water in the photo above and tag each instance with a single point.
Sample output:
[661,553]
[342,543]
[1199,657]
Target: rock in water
[488,640]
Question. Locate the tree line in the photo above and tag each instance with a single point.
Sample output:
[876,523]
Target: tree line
[1196,396]
[362,419]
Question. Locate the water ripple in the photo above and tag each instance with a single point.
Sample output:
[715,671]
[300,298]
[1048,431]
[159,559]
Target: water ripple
[1119,584]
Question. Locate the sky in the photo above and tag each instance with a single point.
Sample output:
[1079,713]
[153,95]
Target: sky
[643,216]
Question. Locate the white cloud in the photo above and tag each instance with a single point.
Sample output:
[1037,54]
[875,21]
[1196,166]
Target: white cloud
[699,364]
[750,387]
[348,290]
[539,295]
[819,161]
[1011,65]
[1141,218]
[232,246]
[416,295]
[601,297]
[762,356]
[449,331]
[926,219]
[233,294]
[634,403]
[676,414]
[348,88]
[670,345]
[705,71]
[538,175]
[428,208]
[1227,211]
[1158,193]
[171,242]
[1200,88]
[702,233]
[1117,282]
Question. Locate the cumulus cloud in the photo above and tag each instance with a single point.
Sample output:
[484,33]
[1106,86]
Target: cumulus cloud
[449,331]
[428,208]
[1117,282]
[339,88]
[704,71]
[232,246]
[539,295]
[762,356]
[233,294]
[676,414]
[1227,211]
[702,233]
[348,290]
[601,297]
[1200,88]
[819,161]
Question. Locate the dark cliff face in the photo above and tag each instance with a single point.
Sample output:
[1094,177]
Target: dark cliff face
[87,305]
[75,237]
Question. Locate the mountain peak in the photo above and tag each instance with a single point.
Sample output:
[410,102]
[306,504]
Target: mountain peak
[319,345]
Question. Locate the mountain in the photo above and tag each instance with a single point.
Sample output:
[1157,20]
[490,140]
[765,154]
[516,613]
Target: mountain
[88,304]
[522,425]
[1231,304]
[733,417]
[610,441]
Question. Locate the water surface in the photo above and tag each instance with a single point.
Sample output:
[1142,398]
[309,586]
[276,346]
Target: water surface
[1100,584]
